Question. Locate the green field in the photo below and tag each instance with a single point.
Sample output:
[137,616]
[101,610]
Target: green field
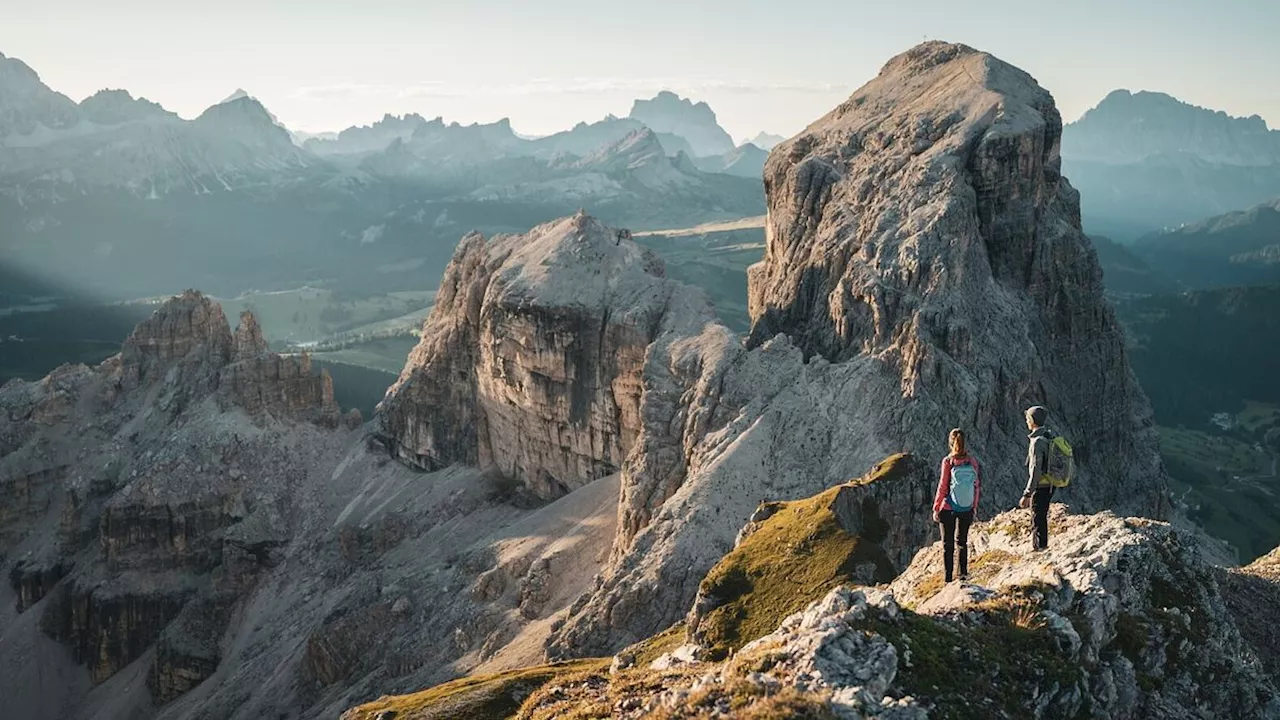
[714,260]
[1258,418]
[311,315]
[1228,481]
[384,354]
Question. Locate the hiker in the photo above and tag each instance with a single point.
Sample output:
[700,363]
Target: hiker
[956,502]
[1039,490]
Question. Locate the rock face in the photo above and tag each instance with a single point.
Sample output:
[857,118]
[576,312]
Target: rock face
[924,223]
[189,346]
[1252,595]
[925,269]
[186,335]
[531,361]
[264,383]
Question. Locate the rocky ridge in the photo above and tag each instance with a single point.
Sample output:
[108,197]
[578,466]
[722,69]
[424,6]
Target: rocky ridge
[85,445]
[924,268]
[186,532]
[1127,127]
[1120,618]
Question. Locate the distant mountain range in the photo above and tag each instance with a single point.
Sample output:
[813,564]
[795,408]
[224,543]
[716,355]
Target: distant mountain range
[1237,248]
[744,161]
[1146,161]
[121,197]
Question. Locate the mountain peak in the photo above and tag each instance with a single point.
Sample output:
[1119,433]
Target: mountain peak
[26,103]
[250,122]
[858,289]
[766,141]
[114,106]
[1128,126]
[667,112]
[636,148]
[243,107]
[237,95]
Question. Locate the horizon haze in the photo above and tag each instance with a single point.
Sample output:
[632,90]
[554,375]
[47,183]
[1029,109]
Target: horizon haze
[323,69]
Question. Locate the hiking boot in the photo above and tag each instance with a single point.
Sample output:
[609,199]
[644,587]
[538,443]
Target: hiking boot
[964,577]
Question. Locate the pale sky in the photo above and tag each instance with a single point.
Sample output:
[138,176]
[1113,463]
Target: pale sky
[546,64]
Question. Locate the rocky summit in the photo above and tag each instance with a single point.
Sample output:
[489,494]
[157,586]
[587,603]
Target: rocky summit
[924,269]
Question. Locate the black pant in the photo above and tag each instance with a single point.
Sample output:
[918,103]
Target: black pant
[1040,517]
[951,522]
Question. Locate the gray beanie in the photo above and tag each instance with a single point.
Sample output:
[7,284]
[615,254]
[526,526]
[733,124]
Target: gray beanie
[1037,414]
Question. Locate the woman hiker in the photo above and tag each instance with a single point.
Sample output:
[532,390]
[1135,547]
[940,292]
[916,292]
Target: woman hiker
[956,502]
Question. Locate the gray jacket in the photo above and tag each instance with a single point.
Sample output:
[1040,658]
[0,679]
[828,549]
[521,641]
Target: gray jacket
[1037,453]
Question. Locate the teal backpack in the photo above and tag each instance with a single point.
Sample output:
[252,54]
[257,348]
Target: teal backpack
[964,486]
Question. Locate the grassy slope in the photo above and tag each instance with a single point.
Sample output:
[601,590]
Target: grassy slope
[489,697]
[795,557]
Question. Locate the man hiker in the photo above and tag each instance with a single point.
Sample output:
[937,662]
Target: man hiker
[1038,490]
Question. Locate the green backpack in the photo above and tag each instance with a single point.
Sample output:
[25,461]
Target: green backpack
[1059,464]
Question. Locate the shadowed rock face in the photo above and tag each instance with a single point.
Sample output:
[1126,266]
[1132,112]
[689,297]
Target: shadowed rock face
[107,628]
[925,269]
[264,383]
[136,487]
[187,336]
[531,362]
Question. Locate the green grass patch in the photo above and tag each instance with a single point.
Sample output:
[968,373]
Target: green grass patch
[598,695]
[977,672]
[797,555]
[486,697]
[1257,418]
[646,651]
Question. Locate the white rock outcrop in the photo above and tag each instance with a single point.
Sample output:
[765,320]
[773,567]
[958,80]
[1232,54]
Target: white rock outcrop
[533,359]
